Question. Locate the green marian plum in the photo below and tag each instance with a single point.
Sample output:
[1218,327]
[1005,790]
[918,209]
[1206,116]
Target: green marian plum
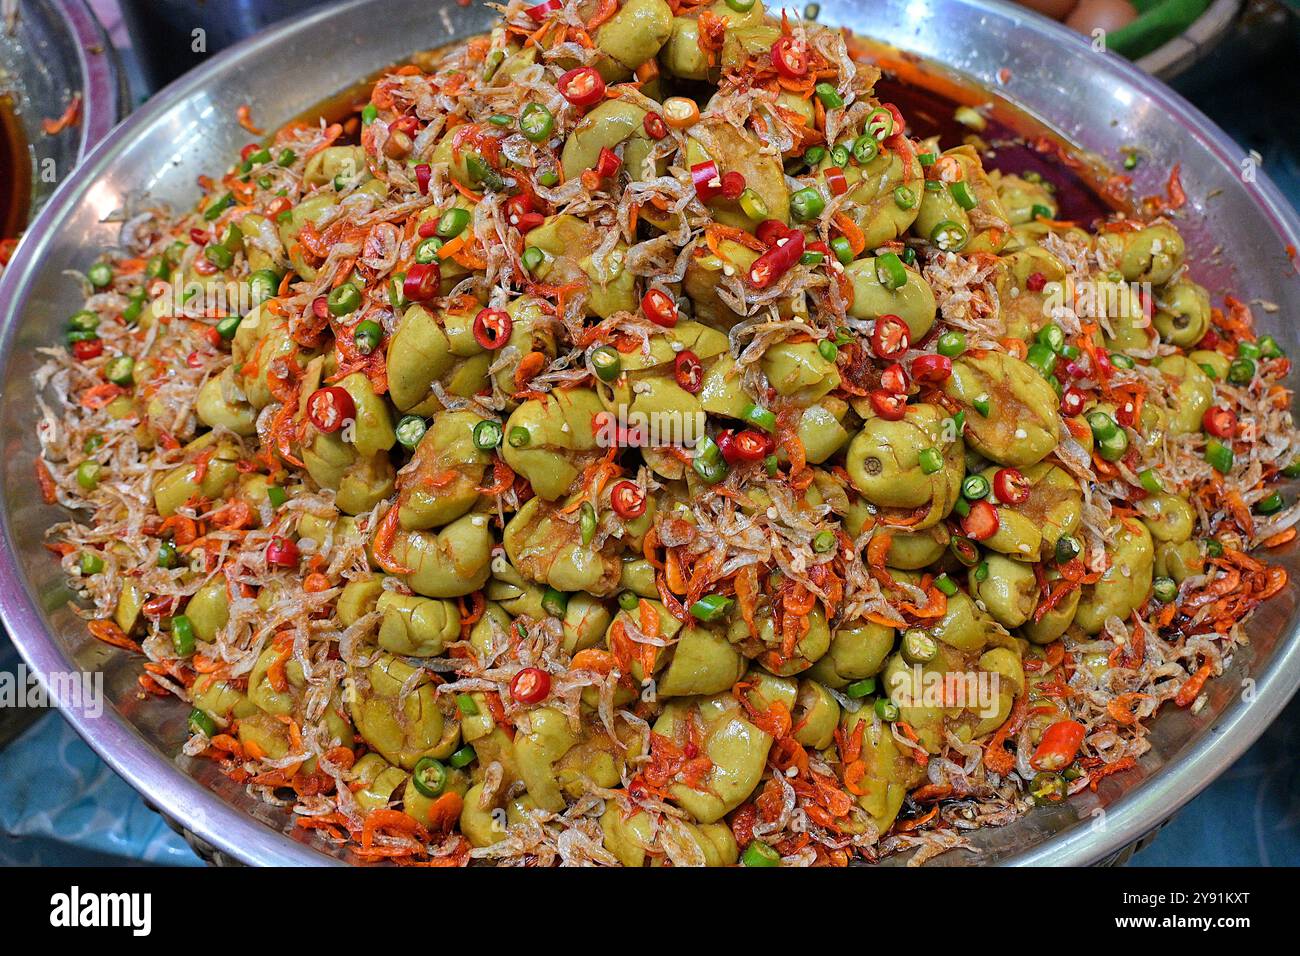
[913,301]
[799,372]
[218,407]
[1010,409]
[550,440]
[454,562]
[416,626]
[885,462]
[358,483]
[1182,313]
[1190,392]
[635,33]
[737,150]
[570,245]
[960,169]
[398,713]
[1019,196]
[885,194]
[702,662]
[1008,589]
[607,126]
[548,549]
[1147,254]
[888,773]
[442,480]
[209,609]
[736,748]
[816,715]
[855,652]
[429,348]
[1054,621]
[1125,584]
[209,474]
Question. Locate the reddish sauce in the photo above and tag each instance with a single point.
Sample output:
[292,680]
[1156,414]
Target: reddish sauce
[928,98]
[15,173]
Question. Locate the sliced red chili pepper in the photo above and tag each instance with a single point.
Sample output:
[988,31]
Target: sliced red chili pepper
[790,57]
[492,328]
[530,685]
[746,446]
[422,281]
[628,500]
[654,125]
[320,307]
[890,406]
[707,180]
[89,349]
[1035,282]
[1072,369]
[1073,401]
[891,337]
[194,359]
[1219,421]
[328,408]
[539,11]
[249,150]
[777,261]
[282,553]
[1010,486]
[199,236]
[688,371]
[932,368]
[582,86]
[982,522]
[770,230]
[1059,746]
[894,380]
[160,606]
[835,181]
[659,308]
[423,172]
[428,229]
[608,163]
[733,184]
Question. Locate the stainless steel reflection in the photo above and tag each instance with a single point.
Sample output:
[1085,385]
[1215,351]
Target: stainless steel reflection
[56,49]
[1237,227]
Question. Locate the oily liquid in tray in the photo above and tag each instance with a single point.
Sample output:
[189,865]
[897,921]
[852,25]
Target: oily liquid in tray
[15,173]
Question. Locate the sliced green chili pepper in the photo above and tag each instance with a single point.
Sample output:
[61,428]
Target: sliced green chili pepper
[757,415]
[587,522]
[120,370]
[182,635]
[367,336]
[487,435]
[410,429]
[1164,589]
[759,853]
[806,204]
[711,607]
[554,602]
[429,776]
[452,222]
[890,271]
[200,723]
[861,688]
[462,757]
[951,344]
[826,92]
[1219,456]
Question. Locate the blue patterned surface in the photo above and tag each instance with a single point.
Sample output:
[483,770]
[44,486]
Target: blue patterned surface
[60,805]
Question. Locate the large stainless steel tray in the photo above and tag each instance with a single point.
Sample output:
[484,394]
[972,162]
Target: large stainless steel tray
[1238,227]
